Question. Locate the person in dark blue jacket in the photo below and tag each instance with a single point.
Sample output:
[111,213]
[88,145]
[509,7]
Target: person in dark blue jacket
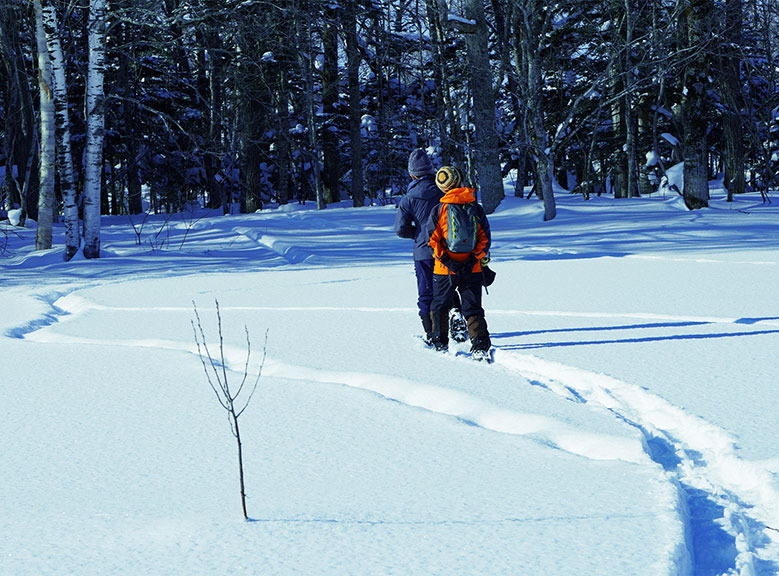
[411,220]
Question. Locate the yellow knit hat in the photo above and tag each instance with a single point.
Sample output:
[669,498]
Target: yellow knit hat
[448,177]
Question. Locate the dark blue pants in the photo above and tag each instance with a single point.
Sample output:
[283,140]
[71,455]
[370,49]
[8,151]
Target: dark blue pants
[468,284]
[424,273]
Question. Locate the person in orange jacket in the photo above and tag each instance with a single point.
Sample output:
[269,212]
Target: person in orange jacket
[460,239]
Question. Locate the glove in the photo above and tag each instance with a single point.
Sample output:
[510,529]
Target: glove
[451,265]
[486,260]
[407,231]
[456,267]
[470,263]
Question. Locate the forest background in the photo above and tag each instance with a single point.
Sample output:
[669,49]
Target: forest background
[139,106]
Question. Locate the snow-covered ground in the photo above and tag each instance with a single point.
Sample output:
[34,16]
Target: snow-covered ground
[628,425]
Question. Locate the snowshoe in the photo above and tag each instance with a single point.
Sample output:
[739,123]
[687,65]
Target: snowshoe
[458,329]
[482,356]
[440,346]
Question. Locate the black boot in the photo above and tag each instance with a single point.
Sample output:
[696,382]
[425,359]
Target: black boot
[480,336]
[427,325]
[440,321]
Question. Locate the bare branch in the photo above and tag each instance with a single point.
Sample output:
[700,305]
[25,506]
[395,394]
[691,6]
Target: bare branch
[202,358]
[225,386]
[259,373]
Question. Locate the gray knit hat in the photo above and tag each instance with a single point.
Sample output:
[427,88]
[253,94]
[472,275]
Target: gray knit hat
[419,163]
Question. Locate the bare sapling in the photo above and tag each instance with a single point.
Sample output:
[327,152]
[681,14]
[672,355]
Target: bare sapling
[7,230]
[189,220]
[137,229]
[235,401]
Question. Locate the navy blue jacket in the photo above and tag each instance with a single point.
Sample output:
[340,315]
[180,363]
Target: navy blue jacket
[413,213]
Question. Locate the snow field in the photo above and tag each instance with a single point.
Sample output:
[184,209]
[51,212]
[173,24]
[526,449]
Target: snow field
[627,426]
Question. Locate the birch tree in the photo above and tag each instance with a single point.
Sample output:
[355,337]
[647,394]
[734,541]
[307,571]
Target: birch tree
[64,154]
[47,136]
[95,119]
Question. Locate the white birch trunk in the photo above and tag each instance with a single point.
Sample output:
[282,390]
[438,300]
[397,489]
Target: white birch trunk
[95,119]
[64,154]
[47,142]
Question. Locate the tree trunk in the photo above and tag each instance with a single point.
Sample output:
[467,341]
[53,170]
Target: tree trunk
[644,136]
[379,178]
[485,141]
[630,121]
[125,88]
[283,192]
[520,72]
[355,111]
[307,69]
[47,164]
[448,121]
[532,21]
[617,78]
[436,38]
[95,120]
[694,104]
[211,80]
[331,157]
[733,100]
[216,148]
[63,147]
[20,140]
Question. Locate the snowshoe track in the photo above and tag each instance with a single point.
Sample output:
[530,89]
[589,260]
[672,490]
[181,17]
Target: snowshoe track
[721,491]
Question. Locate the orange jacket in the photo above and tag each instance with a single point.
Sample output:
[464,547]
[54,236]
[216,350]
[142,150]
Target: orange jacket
[438,227]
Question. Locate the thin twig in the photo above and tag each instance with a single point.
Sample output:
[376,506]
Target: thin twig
[259,373]
[202,358]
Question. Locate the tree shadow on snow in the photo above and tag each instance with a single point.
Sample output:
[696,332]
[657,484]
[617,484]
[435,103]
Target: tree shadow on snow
[535,345]
[754,320]
[599,328]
